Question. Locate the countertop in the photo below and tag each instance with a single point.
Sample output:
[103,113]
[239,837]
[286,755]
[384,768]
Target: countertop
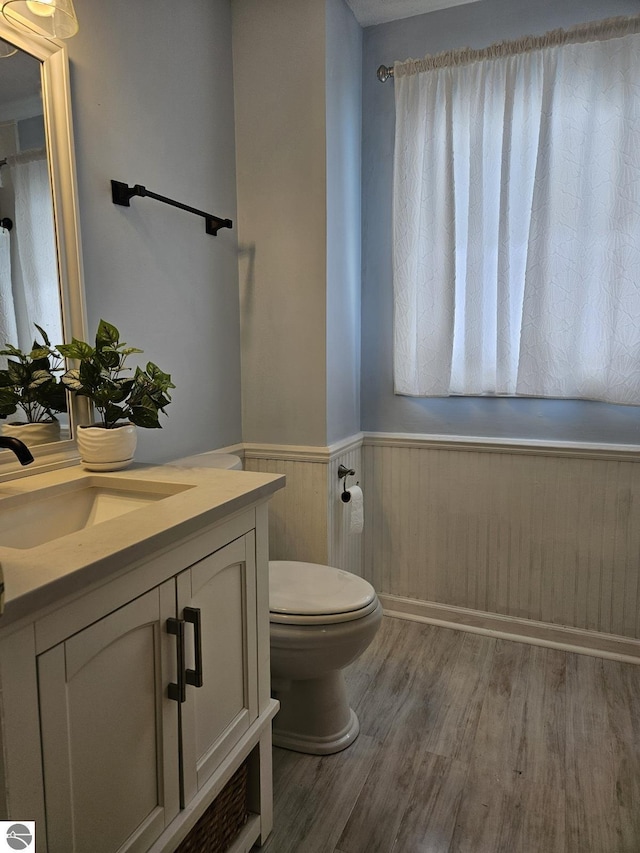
[37,576]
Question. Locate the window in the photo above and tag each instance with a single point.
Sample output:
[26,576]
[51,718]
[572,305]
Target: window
[517,221]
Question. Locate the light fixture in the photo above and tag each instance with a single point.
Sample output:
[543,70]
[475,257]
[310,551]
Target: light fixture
[55,18]
[6,49]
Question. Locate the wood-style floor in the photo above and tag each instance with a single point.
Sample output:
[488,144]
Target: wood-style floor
[470,744]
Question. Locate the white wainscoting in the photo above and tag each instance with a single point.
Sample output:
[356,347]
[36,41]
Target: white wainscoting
[297,513]
[530,540]
[345,548]
[533,532]
[307,519]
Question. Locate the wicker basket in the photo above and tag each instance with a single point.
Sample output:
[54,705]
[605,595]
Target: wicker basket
[223,820]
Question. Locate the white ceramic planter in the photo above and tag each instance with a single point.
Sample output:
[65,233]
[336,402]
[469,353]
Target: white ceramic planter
[32,434]
[106,449]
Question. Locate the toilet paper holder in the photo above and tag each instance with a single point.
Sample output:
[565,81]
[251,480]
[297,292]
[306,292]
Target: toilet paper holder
[343,473]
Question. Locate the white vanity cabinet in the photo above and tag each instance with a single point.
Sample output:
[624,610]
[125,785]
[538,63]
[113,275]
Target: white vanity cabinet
[127,709]
[109,732]
[220,591]
[113,702]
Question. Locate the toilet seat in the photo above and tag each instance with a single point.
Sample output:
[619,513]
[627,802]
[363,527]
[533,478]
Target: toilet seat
[312,594]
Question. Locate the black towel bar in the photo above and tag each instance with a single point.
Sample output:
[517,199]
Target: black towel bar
[122,194]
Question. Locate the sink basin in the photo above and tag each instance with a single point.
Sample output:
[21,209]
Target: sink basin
[41,516]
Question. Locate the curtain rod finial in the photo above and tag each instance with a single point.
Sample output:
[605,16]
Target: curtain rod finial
[384,72]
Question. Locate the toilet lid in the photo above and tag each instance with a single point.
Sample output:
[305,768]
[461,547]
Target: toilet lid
[210,459]
[309,589]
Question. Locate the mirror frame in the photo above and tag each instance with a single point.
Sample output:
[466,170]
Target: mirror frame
[56,102]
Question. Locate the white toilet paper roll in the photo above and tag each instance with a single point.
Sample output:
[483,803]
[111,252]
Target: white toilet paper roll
[356,510]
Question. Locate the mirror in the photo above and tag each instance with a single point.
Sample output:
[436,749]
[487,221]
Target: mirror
[40,262]
[29,289]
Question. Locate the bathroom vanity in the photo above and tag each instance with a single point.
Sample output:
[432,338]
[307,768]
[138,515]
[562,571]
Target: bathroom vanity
[134,654]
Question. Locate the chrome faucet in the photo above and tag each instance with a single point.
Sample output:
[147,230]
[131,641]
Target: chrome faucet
[18,447]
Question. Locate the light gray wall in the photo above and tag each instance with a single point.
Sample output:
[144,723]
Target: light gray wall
[344,138]
[279,79]
[476,25]
[31,133]
[152,98]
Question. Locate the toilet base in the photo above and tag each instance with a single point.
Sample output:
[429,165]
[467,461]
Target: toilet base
[315,717]
[298,742]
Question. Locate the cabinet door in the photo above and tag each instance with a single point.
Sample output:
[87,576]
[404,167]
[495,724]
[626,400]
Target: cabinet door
[109,733]
[222,588]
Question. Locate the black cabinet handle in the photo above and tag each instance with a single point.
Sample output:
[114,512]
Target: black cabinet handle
[178,692]
[194,676]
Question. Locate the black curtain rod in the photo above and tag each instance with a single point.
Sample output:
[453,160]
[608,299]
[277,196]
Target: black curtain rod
[122,194]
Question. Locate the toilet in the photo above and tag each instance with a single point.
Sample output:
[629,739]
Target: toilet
[321,620]
[209,459]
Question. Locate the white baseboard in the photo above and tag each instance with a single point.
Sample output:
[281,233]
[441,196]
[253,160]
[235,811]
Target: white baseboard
[577,640]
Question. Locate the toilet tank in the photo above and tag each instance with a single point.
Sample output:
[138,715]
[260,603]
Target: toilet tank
[209,459]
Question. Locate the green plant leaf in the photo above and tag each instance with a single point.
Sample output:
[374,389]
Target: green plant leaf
[38,364]
[104,378]
[18,372]
[90,374]
[112,414]
[9,349]
[54,396]
[8,401]
[44,335]
[29,378]
[159,378]
[39,353]
[71,380]
[144,417]
[40,377]
[76,349]
[119,390]
[107,335]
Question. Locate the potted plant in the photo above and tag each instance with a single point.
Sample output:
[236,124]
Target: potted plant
[122,400]
[29,383]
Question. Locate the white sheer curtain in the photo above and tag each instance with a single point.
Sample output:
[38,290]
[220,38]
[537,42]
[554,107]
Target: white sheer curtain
[517,224]
[35,260]
[8,329]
